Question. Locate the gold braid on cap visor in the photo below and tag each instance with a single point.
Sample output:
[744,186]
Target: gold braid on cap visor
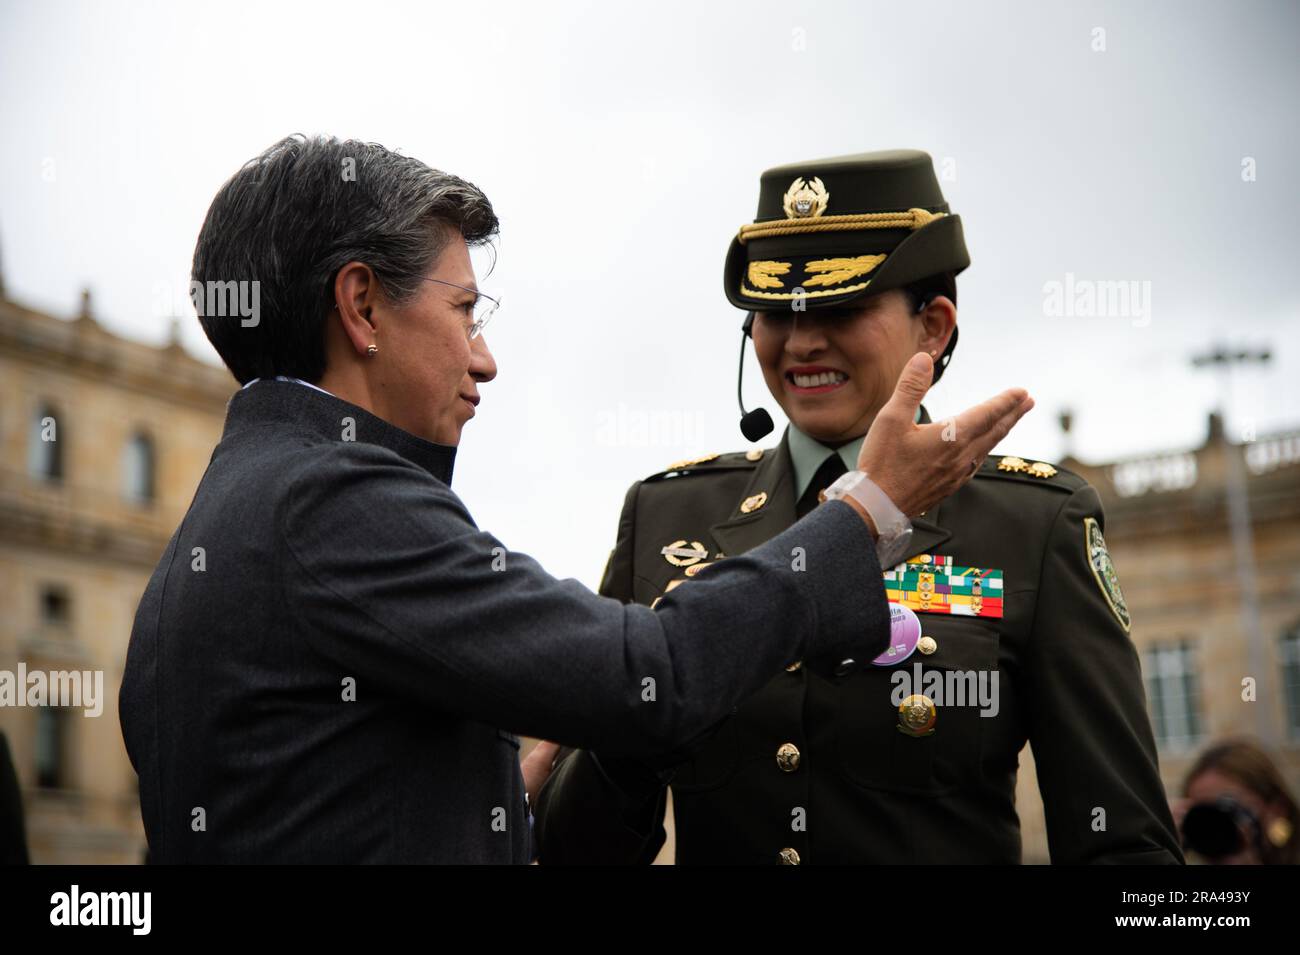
[763,274]
[911,219]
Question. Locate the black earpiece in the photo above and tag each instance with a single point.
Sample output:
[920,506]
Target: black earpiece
[755,424]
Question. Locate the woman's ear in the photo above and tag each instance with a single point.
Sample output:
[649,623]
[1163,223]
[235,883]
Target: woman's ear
[938,319]
[356,294]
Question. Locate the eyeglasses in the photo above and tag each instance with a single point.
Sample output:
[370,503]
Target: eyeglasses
[485,306]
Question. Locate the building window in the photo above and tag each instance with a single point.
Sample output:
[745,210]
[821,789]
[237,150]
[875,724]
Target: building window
[1173,694]
[138,469]
[1290,655]
[51,747]
[56,607]
[45,445]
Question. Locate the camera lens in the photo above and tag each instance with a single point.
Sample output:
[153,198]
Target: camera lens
[1213,829]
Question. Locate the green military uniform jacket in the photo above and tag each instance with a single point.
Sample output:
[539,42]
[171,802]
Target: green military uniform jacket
[816,770]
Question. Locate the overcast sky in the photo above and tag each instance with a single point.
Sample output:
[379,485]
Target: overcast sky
[622,145]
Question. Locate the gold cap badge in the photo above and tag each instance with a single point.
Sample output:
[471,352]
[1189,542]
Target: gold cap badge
[805,199]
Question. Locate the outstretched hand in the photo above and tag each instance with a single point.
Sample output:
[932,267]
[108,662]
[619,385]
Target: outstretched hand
[918,465]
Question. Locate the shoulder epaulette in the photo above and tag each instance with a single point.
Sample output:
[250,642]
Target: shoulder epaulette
[1030,472]
[711,463]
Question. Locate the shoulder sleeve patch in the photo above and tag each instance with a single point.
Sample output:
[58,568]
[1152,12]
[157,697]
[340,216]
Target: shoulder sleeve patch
[1103,571]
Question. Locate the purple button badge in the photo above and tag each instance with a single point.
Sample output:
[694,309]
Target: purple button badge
[904,632]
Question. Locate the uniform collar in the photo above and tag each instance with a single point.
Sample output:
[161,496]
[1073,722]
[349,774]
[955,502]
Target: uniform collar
[770,500]
[808,454]
[311,409]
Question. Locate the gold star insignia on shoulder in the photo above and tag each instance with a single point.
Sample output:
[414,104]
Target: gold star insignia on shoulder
[689,462]
[753,502]
[1037,469]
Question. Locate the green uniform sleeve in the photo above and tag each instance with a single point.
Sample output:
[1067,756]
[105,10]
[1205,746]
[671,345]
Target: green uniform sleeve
[1089,728]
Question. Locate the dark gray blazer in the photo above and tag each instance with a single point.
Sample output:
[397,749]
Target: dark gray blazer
[330,660]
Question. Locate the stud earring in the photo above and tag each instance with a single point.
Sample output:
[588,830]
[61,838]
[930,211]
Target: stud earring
[372,350]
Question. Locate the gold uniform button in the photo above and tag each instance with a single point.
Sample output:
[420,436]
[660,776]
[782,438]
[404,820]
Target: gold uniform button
[787,757]
[794,667]
[916,715]
[789,857]
[754,454]
[927,645]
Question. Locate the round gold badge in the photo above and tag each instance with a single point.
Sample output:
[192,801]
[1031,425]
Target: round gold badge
[916,715]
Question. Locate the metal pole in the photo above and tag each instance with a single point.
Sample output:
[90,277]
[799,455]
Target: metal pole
[1243,543]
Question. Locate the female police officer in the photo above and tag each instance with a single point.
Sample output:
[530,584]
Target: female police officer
[1010,623]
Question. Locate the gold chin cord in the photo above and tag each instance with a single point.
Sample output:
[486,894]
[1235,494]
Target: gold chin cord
[911,219]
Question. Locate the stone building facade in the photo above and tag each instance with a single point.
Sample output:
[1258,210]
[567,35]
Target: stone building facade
[102,443]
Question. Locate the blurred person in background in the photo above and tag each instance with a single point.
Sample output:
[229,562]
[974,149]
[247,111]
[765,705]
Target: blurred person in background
[1236,809]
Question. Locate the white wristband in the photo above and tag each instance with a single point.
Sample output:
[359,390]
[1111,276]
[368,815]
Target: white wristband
[893,529]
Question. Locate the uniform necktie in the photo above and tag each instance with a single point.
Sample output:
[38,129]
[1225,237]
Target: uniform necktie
[831,468]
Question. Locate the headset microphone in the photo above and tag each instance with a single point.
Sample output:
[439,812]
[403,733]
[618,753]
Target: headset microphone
[755,424]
